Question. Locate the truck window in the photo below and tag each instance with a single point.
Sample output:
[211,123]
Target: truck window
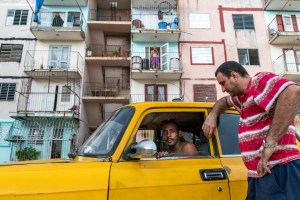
[106,138]
[228,133]
[190,124]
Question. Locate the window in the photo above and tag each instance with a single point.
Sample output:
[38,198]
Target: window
[202,55]
[7,91]
[205,93]
[243,22]
[16,17]
[227,128]
[66,94]
[248,56]
[156,92]
[35,136]
[4,133]
[199,20]
[11,52]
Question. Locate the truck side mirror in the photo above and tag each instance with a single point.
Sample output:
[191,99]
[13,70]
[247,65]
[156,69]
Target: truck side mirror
[145,148]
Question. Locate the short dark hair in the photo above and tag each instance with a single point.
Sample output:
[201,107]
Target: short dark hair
[231,66]
[171,121]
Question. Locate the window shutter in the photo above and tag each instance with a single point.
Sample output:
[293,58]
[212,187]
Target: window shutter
[10,17]
[202,55]
[294,20]
[205,93]
[279,22]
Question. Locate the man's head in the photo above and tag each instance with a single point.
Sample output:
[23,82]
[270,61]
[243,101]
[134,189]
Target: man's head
[171,133]
[232,77]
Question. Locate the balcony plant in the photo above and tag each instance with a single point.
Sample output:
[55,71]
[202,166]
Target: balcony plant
[28,153]
[115,53]
[126,53]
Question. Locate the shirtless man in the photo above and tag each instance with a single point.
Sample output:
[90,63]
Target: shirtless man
[171,135]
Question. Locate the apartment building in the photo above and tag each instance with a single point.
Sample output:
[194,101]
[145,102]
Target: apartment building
[15,39]
[48,106]
[283,26]
[106,83]
[217,32]
[155,60]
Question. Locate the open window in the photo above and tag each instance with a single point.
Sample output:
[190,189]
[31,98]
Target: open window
[190,124]
[157,57]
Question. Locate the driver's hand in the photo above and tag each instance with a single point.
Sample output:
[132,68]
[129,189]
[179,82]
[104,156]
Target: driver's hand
[162,154]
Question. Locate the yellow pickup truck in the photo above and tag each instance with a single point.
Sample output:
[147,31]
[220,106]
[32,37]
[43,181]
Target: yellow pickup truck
[118,161]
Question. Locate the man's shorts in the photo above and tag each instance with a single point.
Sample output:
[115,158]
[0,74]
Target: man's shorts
[282,184]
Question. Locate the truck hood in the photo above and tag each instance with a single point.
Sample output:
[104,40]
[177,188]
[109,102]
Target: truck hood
[56,179]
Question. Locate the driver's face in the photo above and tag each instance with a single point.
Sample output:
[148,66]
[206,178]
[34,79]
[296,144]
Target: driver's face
[171,134]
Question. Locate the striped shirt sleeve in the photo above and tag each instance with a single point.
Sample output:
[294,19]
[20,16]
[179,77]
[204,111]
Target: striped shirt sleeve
[267,88]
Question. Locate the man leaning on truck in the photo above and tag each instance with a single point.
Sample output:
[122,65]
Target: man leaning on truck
[267,104]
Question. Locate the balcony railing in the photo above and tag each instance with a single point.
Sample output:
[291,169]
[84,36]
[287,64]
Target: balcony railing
[48,60]
[48,102]
[155,21]
[287,63]
[110,15]
[273,28]
[110,88]
[107,50]
[165,61]
[68,21]
[154,97]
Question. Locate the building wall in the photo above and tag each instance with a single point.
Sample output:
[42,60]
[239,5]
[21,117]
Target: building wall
[13,34]
[222,38]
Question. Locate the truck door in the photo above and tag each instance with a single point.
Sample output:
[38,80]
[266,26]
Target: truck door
[230,155]
[194,177]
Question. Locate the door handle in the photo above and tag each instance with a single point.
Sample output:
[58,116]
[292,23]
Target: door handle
[212,174]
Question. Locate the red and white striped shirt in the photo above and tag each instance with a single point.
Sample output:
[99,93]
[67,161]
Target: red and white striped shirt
[256,109]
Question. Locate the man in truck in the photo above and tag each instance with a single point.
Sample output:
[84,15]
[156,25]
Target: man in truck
[267,104]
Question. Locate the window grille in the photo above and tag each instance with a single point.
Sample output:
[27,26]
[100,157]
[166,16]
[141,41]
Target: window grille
[16,17]
[248,56]
[7,91]
[243,22]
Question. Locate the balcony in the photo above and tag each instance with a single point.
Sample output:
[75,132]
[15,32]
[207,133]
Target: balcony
[282,5]
[65,3]
[54,63]
[154,97]
[108,20]
[48,104]
[111,91]
[59,26]
[108,55]
[288,67]
[282,31]
[166,67]
[154,28]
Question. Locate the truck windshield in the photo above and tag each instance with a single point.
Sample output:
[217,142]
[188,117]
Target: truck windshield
[105,139]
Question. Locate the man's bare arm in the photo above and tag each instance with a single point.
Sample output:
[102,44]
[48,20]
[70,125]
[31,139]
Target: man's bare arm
[210,123]
[286,108]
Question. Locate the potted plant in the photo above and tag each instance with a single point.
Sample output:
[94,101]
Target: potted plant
[127,53]
[115,53]
[28,153]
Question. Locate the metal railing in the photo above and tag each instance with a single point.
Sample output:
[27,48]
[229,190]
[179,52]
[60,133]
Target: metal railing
[40,59]
[153,97]
[110,88]
[286,63]
[48,102]
[164,61]
[274,29]
[67,20]
[110,15]
[154,21]
[107,50]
